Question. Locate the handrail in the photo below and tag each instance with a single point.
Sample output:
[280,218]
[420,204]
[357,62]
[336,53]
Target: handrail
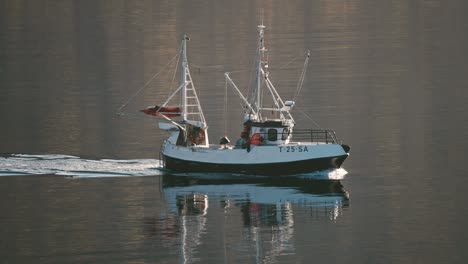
[307,135]
[315,135]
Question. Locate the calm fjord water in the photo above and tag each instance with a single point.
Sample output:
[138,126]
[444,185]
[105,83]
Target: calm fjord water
[389,76]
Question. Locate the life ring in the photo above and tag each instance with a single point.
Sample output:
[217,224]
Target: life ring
[256,139]
[197,135]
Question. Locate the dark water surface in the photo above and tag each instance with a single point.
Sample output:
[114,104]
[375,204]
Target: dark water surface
[389,76]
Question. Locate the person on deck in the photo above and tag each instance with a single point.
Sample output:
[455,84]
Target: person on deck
[243,141]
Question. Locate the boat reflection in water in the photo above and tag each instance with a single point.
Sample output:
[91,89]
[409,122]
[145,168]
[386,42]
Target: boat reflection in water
[253,215]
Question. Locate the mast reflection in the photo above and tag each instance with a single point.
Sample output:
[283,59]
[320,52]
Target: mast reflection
[262,207]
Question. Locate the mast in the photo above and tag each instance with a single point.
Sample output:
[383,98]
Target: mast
[253,104]
[191,108]
[184,78]
[260,54]
[192,112]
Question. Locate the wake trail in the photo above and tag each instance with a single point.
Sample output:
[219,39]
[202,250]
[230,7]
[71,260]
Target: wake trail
[66,165]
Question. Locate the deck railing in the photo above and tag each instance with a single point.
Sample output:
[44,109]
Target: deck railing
[305,135]
[314,135]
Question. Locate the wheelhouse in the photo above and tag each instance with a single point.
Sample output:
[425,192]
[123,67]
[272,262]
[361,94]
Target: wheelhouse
[274,132]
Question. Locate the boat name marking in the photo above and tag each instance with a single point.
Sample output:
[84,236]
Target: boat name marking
[294,149]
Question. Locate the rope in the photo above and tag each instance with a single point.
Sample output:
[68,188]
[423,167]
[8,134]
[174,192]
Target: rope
[310,118]
[252,70]
[175,71]
[119,111]
[135,116]
[207,67]
[291,61]
[301,79]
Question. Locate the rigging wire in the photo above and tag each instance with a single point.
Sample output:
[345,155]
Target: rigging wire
[119,111]
[225,106]
[310,118]
[251,70]
[207,67]
[301,79]
[175,71]
[291,61]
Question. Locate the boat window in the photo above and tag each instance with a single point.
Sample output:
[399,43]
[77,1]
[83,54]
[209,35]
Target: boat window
[285,134]
[272,134]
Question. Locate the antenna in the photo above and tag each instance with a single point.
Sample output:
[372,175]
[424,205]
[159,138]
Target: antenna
[262,16]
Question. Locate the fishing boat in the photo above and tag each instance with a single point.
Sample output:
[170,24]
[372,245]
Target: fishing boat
[268,144]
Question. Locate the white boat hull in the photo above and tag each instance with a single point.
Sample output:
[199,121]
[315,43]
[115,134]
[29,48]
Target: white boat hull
[287,159]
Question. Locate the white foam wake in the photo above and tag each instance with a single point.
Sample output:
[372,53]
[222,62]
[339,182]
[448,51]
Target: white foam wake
[331,174]
[25,164]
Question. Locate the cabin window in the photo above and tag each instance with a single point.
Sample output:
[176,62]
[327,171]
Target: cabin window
[272,134]
[285,134]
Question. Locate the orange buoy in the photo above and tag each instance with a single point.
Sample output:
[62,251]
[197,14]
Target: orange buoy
[256,139]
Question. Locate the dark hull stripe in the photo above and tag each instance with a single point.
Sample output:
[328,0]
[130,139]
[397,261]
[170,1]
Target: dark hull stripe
[283,168]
